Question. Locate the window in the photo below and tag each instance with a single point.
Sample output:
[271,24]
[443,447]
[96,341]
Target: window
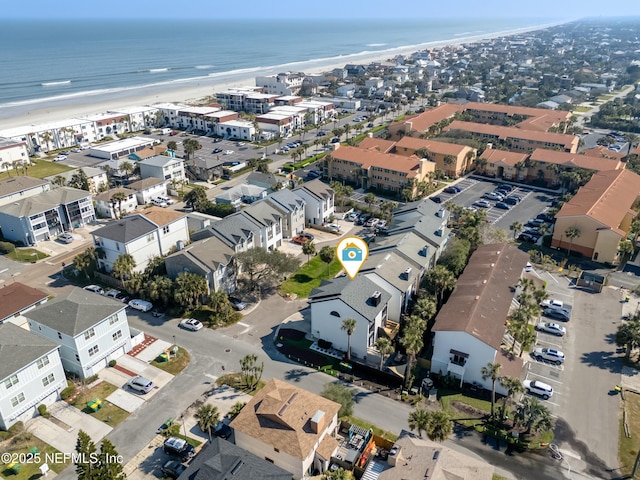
[93,350]
[48,379]
[11,381]
[113,319]
[43,361]
[89,333]
[117,335]
[18,399]
[335,314]
[77,357]
[268,459]
[165,229]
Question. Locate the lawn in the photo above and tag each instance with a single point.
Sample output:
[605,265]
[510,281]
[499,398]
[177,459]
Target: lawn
[309,277]
[581,109]
[32,470]
[26,255]
[109,413]
[628,447]
[234,380]
[376,430]
[175,364]
[469,418]
[40,169]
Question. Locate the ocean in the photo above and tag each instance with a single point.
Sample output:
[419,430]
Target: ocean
[49,62]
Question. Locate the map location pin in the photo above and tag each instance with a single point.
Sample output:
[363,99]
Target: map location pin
[352,253]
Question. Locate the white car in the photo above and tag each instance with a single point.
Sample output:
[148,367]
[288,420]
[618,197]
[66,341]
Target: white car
[158,202]
[538,388]
[227,152]
[167,200]
[553,328]
[95,289]
[60,158]
[549,354]
[552,303]
[190,324]
[141,305]
[493,196]
[65,237]
[334,227]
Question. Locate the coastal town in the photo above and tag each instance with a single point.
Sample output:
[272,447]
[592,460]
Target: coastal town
[174,302]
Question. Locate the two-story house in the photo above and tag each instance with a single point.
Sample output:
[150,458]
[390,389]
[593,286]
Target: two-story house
[96,178]
[148,188]
[151,233]
[90,329]
[31,374]
[109,207]
[289,427]
[235,231]
[269,220]
[361,299]
[319,201]
[16,299]
[469,328]
[292,208]
[162,167]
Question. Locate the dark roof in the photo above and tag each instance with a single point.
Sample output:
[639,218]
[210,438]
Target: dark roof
[222,460]
[12,185]
[19,348]
[259,177]
[355,293]
[16,297]
[317,189]
[286,199]
[145,183]
[74,312]
[480,303]
[232,230]
[126,229]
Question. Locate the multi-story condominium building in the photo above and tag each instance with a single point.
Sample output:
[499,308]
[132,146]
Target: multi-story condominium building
[292,207]
[44,137]
[165,168]
[247,99]
[280,124]
[212,120]
[90,329]
[319,201]
[151,233]
[237,129]
[236,231]
[108,207]
[269,221]
[120,148]
[423,122]
[194,118]
[12,154]
[109,124]
[288,83]
[137,118]
[31,374]
[169,112]
[527,118]
[41,217]
[13,189]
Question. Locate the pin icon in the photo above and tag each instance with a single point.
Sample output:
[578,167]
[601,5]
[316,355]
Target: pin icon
[352,252]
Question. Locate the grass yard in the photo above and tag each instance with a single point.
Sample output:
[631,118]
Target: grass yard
[32,470]
[628,447]
[109,413]
[26,255]
[477,406]
[376,430]
[40,169]
[234,380]
[309,277]
[175,364]
[581,109]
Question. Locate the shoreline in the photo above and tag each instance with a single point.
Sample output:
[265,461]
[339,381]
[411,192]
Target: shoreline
[195,91]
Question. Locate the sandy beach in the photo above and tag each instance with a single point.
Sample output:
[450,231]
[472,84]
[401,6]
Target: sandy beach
[195,91]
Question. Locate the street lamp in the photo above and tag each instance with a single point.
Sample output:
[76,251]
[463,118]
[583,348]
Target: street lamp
[184,426]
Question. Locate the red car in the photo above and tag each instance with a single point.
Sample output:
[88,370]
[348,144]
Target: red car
[302,238]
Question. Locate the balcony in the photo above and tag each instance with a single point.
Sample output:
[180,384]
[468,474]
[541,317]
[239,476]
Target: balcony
[391,329]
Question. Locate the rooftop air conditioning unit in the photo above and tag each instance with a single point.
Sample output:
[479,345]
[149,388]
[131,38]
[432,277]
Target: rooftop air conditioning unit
[406,273]
[375,298]
[424,251]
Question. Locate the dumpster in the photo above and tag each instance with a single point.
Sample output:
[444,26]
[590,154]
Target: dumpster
[163,357]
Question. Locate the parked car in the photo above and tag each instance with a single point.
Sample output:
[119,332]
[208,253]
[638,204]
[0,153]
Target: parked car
[335,140]
[511,200]
[300,239]
[505,186]
[157,312]
[436,199]
[190,324]
[529,237]
[535,222]
[95,289]
[362,219]
[552,303]
[503,205]
[140,384]
[141,305]
[549,354]
[228,152]
[381,226]
[165,199]
[481,204]
[179,448]
[237,304]
[321,133]
[538,388]
[65,237]
[117,295]
[334,227]
[452,189]
[60,158]
[313,174]
[372,222]
[217,139]
[172,469]
[353,216]
[158,203]
[217,150]
[493,196]
[557,313]
[552,328]
[222,430]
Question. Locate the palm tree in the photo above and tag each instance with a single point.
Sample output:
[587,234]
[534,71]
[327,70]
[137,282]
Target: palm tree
[6,166]
[625,248]
[370,199]
[47,137]
[327,254]
[385,347]
[188,288]
[412,342]
[59,180]
[512,386]
[492,371]
[172,145]
[123,266]
[632,138]
[349,326]
[440,426]
[419,420]
[481,164]
[439,281]
[571,233]
[533,416]
[516,228]
[628,335]
[127,168]
[207,416]
[190,145]
[117,199]
[448,161]
[308,248]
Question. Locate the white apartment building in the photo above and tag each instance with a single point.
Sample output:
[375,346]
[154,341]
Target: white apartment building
[12,153]
[44,137]
[31,374]
[162,167]
[211,120]
[240,129]
[90,329]
[138,118]
[121,148]
[193,118]
[276,123]
[288,83]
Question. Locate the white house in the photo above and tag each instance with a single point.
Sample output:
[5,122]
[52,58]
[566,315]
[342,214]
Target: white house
[287,83]
[269,221]
[31,374]
[289,427]
[107,207]
[319,201]
[340,298]
[165,168]
[470,327]
[292,207]
[12,153]
[151,233]
[17,188]
[90,329]
[148,188]
[281,124]
[16,299]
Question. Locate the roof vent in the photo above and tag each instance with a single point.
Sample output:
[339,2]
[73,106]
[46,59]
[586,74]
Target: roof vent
[424,251]
[375,298]
[406,273]
[439,232]
[440,213]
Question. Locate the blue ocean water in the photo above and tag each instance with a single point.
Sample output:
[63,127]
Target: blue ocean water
[52,61]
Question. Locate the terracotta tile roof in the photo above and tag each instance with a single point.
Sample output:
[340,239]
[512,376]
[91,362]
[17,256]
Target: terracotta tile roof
[511,132]
[557,115]
[607,198]
[161,216]
[16,297]
[443,148]
[422,121]
[573,160]
[385,146]
[374,158]
[493,155]
[604,152]
[480,303]
[280,415]
[511,364]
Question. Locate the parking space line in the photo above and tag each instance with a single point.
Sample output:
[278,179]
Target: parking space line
[546,342]
[546,378]
[547,363]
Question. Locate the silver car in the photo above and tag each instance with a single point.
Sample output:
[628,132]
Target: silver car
[140,384]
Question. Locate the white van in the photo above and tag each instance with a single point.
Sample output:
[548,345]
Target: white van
[166,131]
[166,200]
[141,305]
[158,202]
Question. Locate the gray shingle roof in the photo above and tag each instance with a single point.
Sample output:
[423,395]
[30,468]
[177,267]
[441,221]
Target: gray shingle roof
[145,183]
[391,267]
[126,229]
[74,312]
[317,188]
[231,230]
[222,460]
[209,252]
[286,199]
[424,217]
[263,213]
[44,202]
[259,177]
[19,348]
[355,293]
[17,184]
[106,196]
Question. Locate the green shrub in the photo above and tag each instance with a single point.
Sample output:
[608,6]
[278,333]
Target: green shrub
[42,410]
[68,392]
[6,247]
[92,379]
[112,363]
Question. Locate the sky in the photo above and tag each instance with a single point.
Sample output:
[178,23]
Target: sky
[369,9]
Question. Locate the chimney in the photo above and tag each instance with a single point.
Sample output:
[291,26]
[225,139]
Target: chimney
[489,146]
[375,298]
[316,422]
[395,456]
